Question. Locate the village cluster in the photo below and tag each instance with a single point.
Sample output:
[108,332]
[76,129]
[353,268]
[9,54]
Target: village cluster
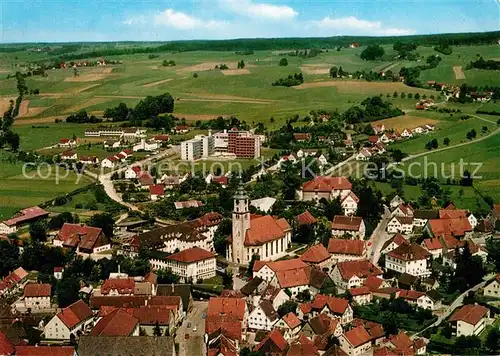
[284,306]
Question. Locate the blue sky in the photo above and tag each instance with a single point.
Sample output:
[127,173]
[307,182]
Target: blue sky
[120,20]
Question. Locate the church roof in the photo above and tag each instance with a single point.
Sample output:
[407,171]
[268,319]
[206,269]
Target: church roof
[241,192]
[264,229]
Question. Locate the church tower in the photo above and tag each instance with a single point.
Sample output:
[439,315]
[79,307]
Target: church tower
[241,223]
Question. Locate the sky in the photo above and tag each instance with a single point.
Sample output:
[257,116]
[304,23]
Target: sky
[151,20]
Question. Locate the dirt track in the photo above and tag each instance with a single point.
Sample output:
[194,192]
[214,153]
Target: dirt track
[360,87]
[459,73]
[152,84]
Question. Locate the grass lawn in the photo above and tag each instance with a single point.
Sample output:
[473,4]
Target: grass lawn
[19,192]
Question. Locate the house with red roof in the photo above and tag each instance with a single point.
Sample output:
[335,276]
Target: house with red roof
[156,191]
[346,250]
[352,226]
[456,227]
[409,258]
[302,345]
[229,315]
[325,187]
[24,217]
[400,224]
[263,316]
[110,162]
[273,344]
[305,218]
[161,138]
[69,156]
[300,136]
[118,286]
[132,172]
[356,341]
[469,320]
[193,263]
[300,279]
[72,320]
[289,325]
[117,323]
[317,255]
[36,296]
[433,246]
[13,282]
[350,204]
[393,243]
[264,235]
[39,350]
[403,210]
[361,295]
[352,274]
[151,315]
[403,344]
[85,239]
[336,308]
[67,142]
[320,329]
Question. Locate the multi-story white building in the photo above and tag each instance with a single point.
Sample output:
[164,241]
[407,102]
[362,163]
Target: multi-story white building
[350,204]
[70,321]
[325,187]
[193,263]
[409,258]
[492,289]
[352,274]
[356,341]
[263,317]
[469,320]
[201,146]
[37,296]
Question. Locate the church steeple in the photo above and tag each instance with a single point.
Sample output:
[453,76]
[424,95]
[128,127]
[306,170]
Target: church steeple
[241,223]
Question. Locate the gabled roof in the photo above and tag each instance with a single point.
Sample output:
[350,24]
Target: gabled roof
[349,223]
[191,255]
[410,294]
[471,314]
[450,242]
[150,314]
[232,307]
[264,229]
[6,347]
[75,314]
[283,265]
[409,252]
[359,268]
[373,282]
[291,320]
[37,290]
[426,214]
[306,218]
[346,247]
[452,214]
[336,305]
[157,189]
[267,307]
[454,226]
[357,336]
[26,215]
[352,196]
[434,295]
[302,346]
[274,341]
[335,350]
[398,239]
[433,244]
[327,184]
[315,254]
[251,286]
[81,235]
[45,350]
[122,285]
[117,323]
[359,291]
[119,345]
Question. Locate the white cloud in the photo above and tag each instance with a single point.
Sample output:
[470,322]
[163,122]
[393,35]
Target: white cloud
[175,19]
[352,25]
[260,10]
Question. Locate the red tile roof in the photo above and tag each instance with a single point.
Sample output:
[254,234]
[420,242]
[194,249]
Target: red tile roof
[373,139]
[302,346]
[401,341]
[300,136]
[351,195]
[450,242]
[157,189]
[327,184]
[75,314]
[336,305]
[471,314]
[122,285]
[6,347]
[433,244]
[452,214]
[58,269]
[13,278]
[346,247]
[409,252]
[410,294]
[146,179]
[37,290]
[359,291]
[228,326]
[222,180]
[161,137]
[306,218]
[357,336]
[45,350]
[291,320]
[117,323]
[315,254]
[26,215]
[74,235]
[264,229]
[283,265]
[293,278]
[455,227]
[193,254]
[398,239]
[373,282]
[360,268]
[232,307]
[150,314]
[349,223]
[275,338]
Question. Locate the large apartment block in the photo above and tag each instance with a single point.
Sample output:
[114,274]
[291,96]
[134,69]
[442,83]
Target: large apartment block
[199,147]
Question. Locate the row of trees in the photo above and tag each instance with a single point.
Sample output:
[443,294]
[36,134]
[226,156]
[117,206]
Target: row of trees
[371,109]
[82,117]
[481,63]
[290,81]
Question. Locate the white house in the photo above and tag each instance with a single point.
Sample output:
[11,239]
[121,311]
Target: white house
[267,270]
[58,272]
[433,246]
[363,155]
[69,156]
[396,201]
[71,320]
[403,210]
[132,172]
[36,296]
[386,138]
[263,317]
[492,289]
[409,258]
[346,250]
[361,295]
[393,243]
[325,187]
[322,161]
[406,133]
[350,204]
[67,142]
[352,274]
[275,295]
[145,146]
[401,224]
[469,320]
[348,225]
[356,341]
[112,144]
[289,324]
[193,263]
[109,162]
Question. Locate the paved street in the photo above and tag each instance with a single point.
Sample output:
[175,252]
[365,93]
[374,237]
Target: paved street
[378,238]
[195,345]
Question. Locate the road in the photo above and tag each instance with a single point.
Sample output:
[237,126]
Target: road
[107,183]
[379,237]
[338,165]
[456,303]
[195,345]
[410,157]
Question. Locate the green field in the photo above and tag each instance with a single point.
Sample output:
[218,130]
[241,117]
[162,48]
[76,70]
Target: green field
[17,191]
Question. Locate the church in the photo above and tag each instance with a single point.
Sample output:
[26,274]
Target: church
[262,235]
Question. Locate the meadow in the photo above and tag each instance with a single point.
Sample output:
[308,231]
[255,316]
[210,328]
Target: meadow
[245,93]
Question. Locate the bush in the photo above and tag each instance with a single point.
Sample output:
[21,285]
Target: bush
[372,52]
[283,62]
[290,81]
